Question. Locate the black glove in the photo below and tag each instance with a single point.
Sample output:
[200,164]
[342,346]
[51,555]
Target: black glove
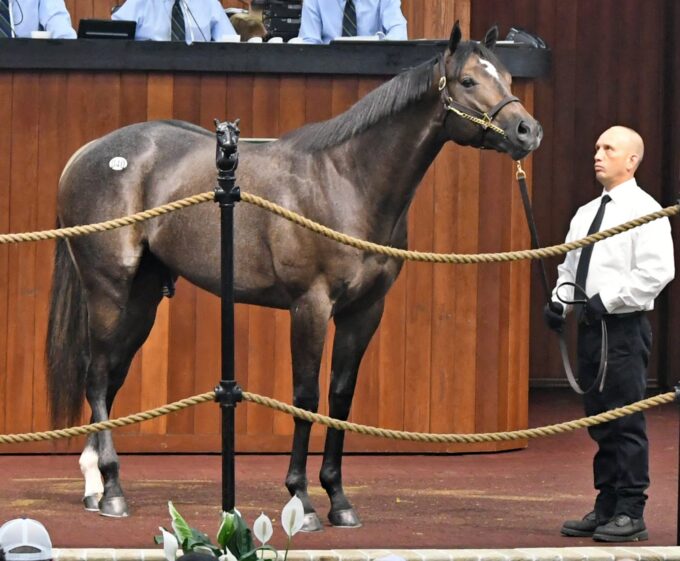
[552,313]
[593,310]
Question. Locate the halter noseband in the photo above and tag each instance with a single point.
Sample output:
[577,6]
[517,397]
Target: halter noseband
[483,119]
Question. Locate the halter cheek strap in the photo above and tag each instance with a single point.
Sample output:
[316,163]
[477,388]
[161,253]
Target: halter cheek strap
[483,119]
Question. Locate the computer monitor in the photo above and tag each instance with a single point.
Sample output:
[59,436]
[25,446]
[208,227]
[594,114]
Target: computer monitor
[282,17]
[106,29]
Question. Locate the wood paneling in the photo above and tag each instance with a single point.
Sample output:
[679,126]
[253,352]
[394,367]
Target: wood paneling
[451,354]
[614,62]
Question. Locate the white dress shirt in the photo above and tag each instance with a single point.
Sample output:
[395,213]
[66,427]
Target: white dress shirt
[322,19]
[628,270]
[204,20]
[29,15]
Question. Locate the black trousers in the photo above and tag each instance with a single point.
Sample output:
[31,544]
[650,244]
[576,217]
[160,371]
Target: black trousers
[621,464]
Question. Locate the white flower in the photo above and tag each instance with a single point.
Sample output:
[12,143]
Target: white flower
[262,528]
[293,516]
[170,545]
[228,556]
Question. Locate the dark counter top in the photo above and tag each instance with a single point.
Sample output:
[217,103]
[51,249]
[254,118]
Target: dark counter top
[383,58]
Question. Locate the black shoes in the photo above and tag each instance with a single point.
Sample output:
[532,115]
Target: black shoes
[583,528]
[620,528]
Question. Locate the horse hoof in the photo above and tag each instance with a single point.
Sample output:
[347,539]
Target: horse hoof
[347,518]
[311,523]
[91,503]
[113,507]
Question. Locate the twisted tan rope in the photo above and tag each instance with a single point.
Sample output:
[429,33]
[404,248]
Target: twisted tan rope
[345,425]
[74,231]
[538,432]
[110,424]
[461,258]
[345,239]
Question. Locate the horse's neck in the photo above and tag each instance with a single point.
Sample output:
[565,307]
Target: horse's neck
[390,159]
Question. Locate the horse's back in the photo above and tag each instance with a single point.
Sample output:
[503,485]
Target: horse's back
[113,173]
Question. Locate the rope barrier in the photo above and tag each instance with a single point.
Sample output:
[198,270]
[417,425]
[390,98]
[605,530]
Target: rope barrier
[85,229]
[337,424]
[538,432]
[459,258]
[365,246]
[105,425]
[406,255]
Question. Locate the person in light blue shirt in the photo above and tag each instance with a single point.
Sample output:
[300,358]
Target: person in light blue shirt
[34,15]
[204,20]
[322,19]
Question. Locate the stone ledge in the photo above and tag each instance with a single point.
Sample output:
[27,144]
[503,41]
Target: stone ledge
[605,553]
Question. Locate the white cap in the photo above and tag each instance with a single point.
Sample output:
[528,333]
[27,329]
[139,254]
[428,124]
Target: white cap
[25,533]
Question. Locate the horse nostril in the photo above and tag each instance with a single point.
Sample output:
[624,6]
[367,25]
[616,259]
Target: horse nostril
[523,129]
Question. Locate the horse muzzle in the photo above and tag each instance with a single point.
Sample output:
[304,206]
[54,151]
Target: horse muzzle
[524,136]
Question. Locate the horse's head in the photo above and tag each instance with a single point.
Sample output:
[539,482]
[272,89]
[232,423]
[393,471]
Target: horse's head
[481,111]
[228,134]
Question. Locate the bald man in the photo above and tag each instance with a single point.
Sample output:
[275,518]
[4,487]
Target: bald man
[621,277]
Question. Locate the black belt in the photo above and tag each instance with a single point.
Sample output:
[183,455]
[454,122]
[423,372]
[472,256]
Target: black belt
[625,315]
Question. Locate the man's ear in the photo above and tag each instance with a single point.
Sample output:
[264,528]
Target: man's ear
[491,37]
[455,37]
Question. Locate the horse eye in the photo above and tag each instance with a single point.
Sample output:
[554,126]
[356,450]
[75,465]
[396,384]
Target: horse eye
[467,82]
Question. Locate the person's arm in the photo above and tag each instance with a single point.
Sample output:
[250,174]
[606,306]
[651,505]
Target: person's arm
[653,268]
[310,25]
[392,20]
[128,12]
[220,24]
[54,17]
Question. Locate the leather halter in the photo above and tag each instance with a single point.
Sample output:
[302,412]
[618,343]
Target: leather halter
[483,119]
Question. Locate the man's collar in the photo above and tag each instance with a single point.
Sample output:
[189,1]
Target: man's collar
[621,190]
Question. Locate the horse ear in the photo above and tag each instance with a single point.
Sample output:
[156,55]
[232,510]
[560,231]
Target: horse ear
[455,37]
[491,37]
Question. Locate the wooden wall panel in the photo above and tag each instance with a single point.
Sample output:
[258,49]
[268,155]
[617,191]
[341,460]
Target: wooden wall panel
[445,358]
[602,75]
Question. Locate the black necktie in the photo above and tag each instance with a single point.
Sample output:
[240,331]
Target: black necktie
[587,252]
[349,20]
[178,31]
[5,26]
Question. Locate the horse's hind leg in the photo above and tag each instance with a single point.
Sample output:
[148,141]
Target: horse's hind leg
[120,321]
[309,321]
[353,332]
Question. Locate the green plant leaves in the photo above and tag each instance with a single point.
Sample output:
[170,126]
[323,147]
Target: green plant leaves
[241,541]
[226,529]
[179,525]
[234,539]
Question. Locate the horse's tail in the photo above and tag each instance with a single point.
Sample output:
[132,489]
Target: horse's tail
[67,340]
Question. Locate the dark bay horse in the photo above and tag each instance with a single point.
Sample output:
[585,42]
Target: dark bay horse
[356,173]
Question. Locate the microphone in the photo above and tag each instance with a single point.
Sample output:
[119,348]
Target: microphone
[12,23]
[187,10]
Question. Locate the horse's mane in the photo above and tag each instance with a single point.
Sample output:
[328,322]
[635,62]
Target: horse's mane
[386,100]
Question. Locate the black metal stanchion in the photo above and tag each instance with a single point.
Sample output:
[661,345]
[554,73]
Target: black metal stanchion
[227,394]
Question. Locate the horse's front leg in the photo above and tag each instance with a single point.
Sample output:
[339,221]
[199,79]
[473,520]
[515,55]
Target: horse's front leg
[353,332]
[309,321]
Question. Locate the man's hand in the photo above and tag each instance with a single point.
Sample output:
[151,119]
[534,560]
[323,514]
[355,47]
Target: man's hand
[552,313]
[593,310]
